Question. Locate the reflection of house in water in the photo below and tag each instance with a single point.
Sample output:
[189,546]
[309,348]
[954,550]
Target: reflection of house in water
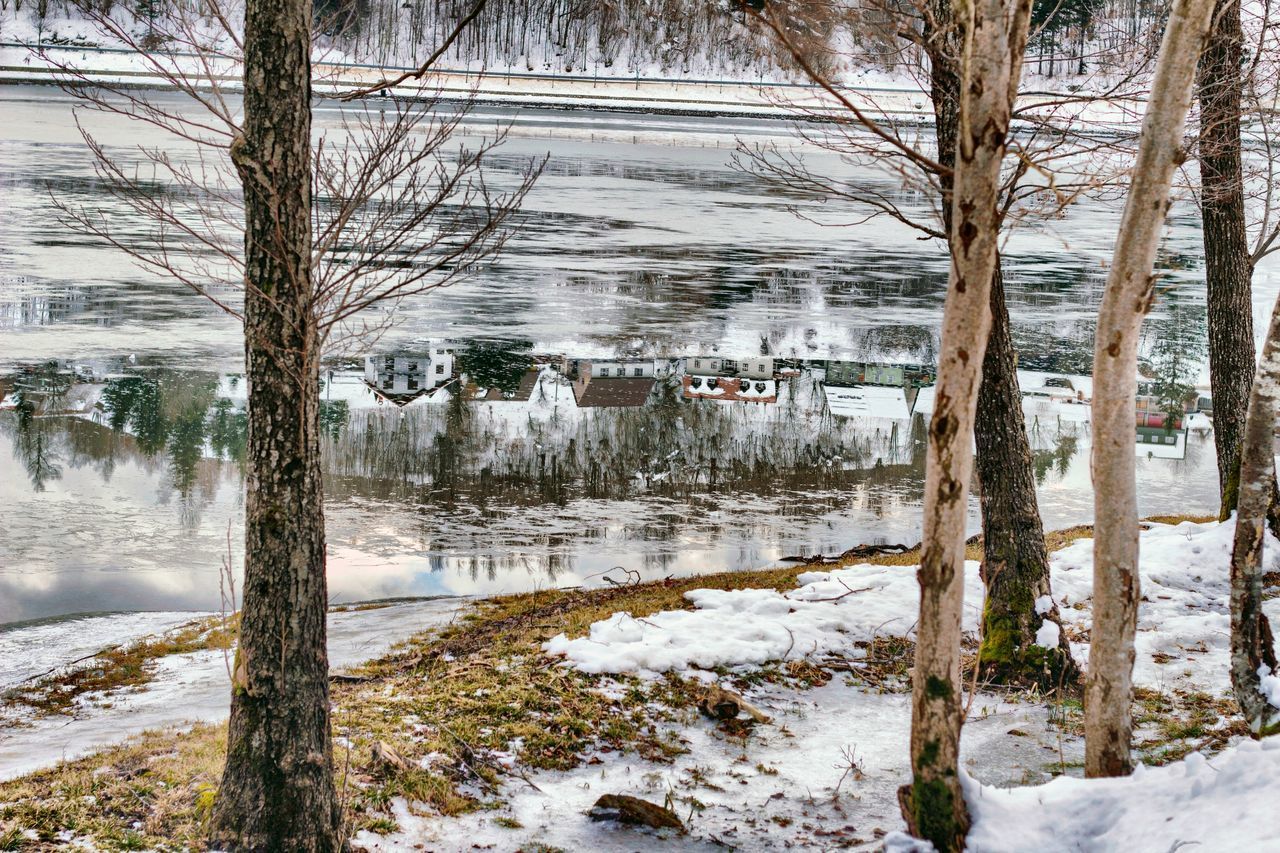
[580,369]
[1159,435]
[760,367]
[732,389]
[857,389]
[611,383]
[404,377]
[870,401]
[521,394]
[52,390]
[1056,389]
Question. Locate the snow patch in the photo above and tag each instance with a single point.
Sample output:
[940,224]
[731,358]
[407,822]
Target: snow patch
[1047,634]
[1223,803]
[829,611]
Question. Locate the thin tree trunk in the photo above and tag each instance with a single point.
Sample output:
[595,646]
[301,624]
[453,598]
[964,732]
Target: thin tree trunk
[1015,561]
[1228,269]
[277,790]
[996,31]
[1128,297]
[1252,646]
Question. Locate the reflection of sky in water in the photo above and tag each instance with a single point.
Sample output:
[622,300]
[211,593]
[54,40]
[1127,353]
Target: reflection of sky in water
[639,238]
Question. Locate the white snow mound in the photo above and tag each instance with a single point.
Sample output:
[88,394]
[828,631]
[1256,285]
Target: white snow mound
[829,611]
[1222,803]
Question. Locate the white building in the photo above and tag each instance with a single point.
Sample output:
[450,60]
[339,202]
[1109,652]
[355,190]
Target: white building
[616,369]
[759,367]
[407,374]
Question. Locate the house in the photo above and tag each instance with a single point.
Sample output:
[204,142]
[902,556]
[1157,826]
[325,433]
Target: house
[852,373]
[1150,411]
[403,377]
[732,389]
[1158,442]
[599,385]
[612,368]
[759,367]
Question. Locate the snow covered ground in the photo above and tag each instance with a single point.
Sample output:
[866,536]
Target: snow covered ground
[896,100]
[187,688]
[824,775]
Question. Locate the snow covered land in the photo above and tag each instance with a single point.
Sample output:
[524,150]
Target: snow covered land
[823,774]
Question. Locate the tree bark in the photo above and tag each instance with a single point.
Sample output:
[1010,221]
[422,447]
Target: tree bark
[1252,646]
[1015,561]
[1128,297]
[277,789]
[1228,268]
[995,38]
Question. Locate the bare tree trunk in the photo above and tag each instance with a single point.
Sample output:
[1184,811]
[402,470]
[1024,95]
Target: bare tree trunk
[996,32]
[1228,269]
[1128,297]
[277,789]
[1015,561]
[1252,646]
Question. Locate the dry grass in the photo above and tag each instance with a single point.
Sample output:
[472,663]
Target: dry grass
[1170,725]
[451,703]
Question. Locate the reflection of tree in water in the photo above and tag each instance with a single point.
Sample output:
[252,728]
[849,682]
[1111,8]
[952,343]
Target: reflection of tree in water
[229,429]
[914,343]
[34,446]
[172,412]
[494,363]
[548,451]
[1176,346]
[1056,458]
[39,390]
[334,415]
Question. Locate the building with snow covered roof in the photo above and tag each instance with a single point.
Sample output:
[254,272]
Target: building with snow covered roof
[729,389]
[611,391]
[402,377]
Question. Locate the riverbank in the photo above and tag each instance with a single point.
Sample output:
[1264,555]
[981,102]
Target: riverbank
[124,674]
[503,727]
[888,100]
[901,103]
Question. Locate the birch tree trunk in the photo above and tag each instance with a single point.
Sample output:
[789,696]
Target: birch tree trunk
[1128,297]
[277,789]
[995,33]
[1252,646]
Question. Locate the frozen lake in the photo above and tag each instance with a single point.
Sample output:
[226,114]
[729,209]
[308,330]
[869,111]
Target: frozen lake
[640,242]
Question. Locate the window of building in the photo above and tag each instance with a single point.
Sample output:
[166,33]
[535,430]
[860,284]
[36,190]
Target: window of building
[604,371]
[413,383]
[439,368]
[639,371]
